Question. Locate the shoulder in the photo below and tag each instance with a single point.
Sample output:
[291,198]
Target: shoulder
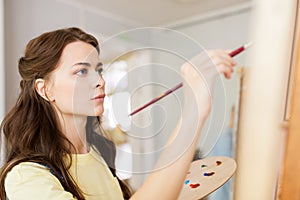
[33,181]
[28,170]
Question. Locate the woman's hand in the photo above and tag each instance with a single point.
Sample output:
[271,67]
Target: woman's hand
[199,76]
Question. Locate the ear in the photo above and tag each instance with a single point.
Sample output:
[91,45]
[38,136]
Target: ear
[40,87]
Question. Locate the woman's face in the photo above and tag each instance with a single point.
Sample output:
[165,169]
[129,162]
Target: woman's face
[77,86]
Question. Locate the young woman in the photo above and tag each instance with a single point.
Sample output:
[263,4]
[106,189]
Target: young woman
[55,146]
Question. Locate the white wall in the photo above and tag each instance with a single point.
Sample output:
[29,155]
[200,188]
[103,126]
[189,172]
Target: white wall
[2,71]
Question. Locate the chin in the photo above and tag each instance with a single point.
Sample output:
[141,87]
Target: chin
[98,112]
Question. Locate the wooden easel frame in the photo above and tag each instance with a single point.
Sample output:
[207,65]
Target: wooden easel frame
[294,60]
[290,180]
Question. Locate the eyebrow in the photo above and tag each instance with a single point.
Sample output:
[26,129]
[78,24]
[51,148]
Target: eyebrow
[99,64]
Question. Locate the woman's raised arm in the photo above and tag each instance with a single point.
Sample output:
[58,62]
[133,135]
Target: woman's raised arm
[199,75]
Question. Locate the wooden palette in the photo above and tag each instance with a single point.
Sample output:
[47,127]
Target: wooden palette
[207,175]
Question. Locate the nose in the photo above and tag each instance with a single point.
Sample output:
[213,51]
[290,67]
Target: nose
[99,81]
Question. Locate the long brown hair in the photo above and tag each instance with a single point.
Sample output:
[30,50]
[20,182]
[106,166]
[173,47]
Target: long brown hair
[31,128]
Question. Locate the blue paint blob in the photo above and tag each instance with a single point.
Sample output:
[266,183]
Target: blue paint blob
[209,174]
[187,182]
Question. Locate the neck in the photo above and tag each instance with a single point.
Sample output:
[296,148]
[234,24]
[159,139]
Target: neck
[74,129]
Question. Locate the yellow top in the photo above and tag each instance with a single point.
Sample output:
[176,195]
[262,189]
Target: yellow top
[32,181]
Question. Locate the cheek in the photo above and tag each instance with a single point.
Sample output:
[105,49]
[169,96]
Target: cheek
[80,95]
[64,95]
[74,97]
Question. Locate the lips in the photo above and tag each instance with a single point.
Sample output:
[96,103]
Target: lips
[101,96]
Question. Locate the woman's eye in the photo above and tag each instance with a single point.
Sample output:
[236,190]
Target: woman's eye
[81,72]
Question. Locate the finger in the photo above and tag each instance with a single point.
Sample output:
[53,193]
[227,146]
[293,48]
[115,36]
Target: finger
[226,70]
[215,55]
[228,51]
[221,61]
[222,68]
[226,55]
[227,76]
[229,58]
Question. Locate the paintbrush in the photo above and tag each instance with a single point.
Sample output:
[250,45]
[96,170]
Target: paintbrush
[232,54]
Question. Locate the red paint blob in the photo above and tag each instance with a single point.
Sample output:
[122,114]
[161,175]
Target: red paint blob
[218,162]
[195,185]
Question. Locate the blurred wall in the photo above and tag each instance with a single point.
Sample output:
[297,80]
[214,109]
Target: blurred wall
[2,71]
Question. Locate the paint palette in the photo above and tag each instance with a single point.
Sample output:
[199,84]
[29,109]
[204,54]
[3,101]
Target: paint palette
[207,175]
